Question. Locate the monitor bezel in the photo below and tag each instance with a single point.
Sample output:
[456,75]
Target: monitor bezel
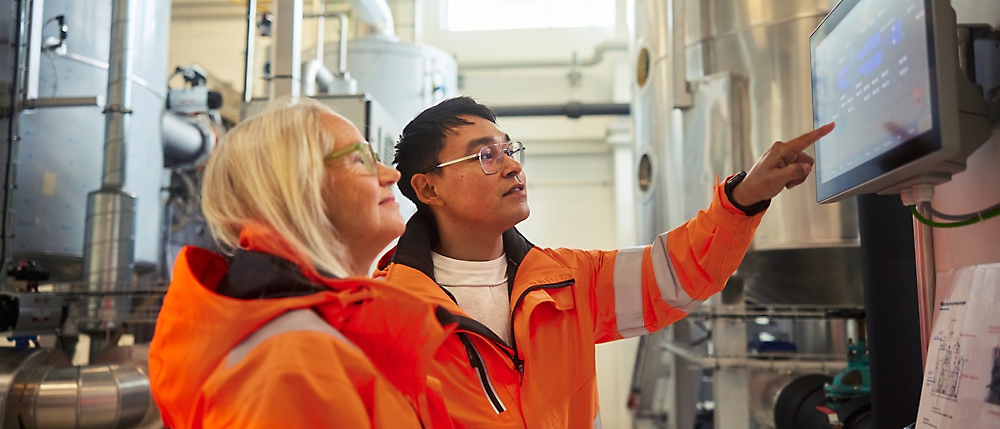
[914,149]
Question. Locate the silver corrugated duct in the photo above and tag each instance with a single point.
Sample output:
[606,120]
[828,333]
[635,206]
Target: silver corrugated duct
[40,391]
[94,396]
[109,240]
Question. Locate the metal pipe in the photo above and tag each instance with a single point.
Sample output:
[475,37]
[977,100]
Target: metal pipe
[320,6]
[376,14]
[923,240]
[599,50]
[16,95]
[119,100]
[182,140]
[93,396]
[53,102]
[314,72]
[109,237]
[572,110]
[248,55]
[342,52]
[779,362]
[286,80]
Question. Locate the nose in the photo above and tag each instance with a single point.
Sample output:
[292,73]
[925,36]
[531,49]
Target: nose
[511,168]
[387,176]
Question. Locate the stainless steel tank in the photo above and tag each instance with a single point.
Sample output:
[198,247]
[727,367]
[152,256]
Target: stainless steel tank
[722,82]
[61,152]
[405,78]
[716,83]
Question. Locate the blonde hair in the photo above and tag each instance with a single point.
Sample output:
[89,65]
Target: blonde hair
[269,170]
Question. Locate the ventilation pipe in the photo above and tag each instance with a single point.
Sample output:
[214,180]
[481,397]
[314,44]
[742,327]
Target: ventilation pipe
[109,240]
[40,390]
[315,72]
[376,14]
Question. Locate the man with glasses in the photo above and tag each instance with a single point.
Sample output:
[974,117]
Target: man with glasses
[529,317]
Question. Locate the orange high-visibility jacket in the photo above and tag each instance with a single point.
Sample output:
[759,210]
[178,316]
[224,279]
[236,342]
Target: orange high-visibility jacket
[563,302]
[262,343]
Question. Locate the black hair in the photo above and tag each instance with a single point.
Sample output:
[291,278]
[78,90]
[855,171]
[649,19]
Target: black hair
[423,138]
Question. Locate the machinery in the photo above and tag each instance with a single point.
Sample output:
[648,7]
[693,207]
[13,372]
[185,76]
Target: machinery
[102,175]
[716,83]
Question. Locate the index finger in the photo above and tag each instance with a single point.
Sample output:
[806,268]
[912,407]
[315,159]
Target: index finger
[802,142]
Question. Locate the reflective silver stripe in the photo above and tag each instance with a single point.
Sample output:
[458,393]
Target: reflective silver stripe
[666,278]
[303,320]
[628,292]
[597,420]
[484,380]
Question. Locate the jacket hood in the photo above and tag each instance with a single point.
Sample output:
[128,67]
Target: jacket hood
[198,326]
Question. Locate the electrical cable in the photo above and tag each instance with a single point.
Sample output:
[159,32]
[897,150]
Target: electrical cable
[981,216]
[961,217]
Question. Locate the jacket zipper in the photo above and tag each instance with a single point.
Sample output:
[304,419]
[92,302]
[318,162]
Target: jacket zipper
[475,360]
[518,362]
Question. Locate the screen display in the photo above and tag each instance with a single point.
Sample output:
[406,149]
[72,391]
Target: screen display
[872,76]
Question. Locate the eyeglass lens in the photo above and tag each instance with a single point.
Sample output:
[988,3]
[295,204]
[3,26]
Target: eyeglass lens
[369,158]
[491,159]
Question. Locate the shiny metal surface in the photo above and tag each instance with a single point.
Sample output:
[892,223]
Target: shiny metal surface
[286,78]
[829,275]
[90,397]
[251,38]
[768,42]
[183,140]
[16,369]
[60,159]
[108,262]
[119,101]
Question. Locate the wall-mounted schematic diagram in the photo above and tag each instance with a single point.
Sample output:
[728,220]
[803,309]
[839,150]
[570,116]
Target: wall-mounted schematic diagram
[948,369]
[961,388]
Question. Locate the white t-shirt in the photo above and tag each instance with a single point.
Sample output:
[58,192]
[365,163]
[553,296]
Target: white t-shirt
[480,289]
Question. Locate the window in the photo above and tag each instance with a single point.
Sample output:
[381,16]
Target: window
[478,15]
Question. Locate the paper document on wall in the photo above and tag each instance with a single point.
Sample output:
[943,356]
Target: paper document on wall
[961,387]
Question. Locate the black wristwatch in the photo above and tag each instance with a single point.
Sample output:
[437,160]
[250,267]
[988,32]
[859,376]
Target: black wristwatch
[747,210]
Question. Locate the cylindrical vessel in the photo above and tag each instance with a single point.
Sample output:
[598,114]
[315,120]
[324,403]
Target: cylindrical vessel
[61,154]
[746,66]
[108,263]
[404,78]
[768,42]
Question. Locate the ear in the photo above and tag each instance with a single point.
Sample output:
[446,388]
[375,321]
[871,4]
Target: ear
[425,190]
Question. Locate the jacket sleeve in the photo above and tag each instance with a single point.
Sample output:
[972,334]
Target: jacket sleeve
[635,291]
[302,380]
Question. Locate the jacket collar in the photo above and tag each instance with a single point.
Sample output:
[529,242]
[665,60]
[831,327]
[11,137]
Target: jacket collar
[421,235]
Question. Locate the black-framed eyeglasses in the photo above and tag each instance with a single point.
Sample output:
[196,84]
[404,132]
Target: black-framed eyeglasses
[491,157]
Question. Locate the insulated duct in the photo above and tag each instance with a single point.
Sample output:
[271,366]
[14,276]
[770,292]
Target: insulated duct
[186,142]
[109,239]
[376,14]
[572,110]
[39,390]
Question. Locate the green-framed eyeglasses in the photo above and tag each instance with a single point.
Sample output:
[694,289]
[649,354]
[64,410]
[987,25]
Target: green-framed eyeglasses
[368,156]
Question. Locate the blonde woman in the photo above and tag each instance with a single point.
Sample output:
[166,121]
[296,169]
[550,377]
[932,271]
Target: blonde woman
[290,332]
